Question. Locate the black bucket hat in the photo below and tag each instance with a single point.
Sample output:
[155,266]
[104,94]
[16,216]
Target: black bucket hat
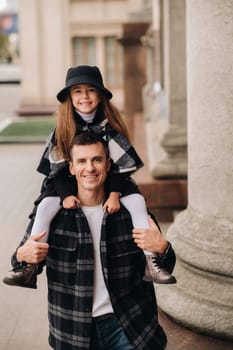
[83,75]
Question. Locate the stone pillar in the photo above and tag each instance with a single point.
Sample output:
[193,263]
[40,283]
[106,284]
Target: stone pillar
[134,69]
[154,103]
[174,141]
[202,235]
[44,53]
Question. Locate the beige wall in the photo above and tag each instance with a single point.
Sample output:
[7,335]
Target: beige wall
[46,31]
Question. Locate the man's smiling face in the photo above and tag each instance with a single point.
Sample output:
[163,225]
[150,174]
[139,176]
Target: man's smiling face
[90,166]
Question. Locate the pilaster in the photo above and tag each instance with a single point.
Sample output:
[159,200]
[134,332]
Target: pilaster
[45,52]
[202,235]
[174,140]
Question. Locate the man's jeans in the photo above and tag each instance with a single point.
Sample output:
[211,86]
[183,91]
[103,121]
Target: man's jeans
[108,335]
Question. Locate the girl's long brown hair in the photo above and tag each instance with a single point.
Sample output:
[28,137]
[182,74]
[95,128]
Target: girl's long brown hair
[66,125]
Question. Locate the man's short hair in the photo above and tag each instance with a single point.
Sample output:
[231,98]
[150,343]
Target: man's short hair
[89,138]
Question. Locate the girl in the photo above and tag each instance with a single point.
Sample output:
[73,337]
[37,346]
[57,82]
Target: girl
[84,105]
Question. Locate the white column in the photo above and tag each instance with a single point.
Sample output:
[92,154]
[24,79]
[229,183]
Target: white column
[55,47]
[44,49]
[154,104]
[174,141]
[202,235]
[29,51]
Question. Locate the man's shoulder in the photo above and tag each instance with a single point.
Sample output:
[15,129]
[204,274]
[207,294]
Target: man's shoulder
[73,219]
[67,219]
[122,215]
[119,224]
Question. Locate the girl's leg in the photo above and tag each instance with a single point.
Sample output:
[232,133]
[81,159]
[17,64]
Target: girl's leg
[136,205]
[26,276]
[46,211]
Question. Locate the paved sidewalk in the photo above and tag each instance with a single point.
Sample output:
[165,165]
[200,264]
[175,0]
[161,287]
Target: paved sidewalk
[23,321]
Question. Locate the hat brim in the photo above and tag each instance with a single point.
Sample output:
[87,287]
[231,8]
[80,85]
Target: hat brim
[62,95]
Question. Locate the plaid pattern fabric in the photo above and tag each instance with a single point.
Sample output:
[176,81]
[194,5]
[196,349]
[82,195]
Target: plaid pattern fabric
[70,281]
[124,156]
[47,166]
[70,266]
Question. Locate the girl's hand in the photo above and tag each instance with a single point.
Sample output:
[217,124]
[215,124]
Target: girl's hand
[70,202]
[112,204]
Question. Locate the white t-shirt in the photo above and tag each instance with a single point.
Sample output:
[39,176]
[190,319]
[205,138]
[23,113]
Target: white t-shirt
[101,300]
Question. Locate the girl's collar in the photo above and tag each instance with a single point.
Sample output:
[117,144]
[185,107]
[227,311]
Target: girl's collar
[98,118]
[88,118]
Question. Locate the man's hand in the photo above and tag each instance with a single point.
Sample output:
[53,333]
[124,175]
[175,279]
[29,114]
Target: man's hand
[70,202]
[150,239]
[33,252]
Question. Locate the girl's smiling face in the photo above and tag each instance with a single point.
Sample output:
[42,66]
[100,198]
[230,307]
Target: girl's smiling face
[85,98]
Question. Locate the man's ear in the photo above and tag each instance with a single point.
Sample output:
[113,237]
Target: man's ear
[109,164]
[71,168]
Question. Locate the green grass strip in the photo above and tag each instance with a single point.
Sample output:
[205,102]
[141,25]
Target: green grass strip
[28,129]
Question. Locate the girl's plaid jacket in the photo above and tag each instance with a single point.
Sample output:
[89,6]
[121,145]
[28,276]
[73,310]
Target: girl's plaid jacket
[125,160]
[70,265]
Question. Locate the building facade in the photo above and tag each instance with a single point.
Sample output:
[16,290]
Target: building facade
[58,34]
[156,58]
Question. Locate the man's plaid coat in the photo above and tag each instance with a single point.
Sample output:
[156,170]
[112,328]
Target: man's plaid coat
[70,264]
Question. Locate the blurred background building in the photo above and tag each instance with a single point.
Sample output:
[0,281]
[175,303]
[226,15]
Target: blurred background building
[9,32]
[64,33]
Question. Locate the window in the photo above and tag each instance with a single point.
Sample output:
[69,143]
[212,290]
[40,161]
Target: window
[114,62]
[84,51]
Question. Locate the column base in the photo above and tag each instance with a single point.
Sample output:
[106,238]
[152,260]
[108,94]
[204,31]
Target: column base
[202,299]
[171,168]
[174,164]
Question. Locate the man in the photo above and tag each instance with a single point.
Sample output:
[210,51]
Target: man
[97,298]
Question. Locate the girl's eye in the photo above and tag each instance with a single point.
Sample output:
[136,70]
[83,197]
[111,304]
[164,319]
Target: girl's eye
[76,91]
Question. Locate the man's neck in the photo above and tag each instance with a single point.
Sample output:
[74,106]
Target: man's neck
[90,198]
